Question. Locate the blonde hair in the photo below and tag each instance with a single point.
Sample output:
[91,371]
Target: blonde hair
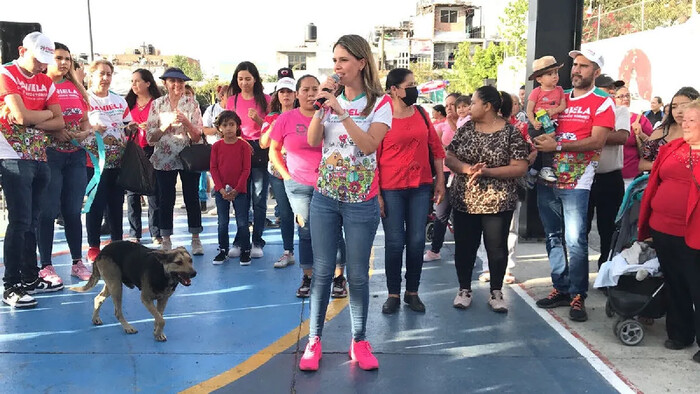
[93,67]
[360,49]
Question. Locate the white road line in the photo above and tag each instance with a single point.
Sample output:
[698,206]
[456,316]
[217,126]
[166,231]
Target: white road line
[597,364]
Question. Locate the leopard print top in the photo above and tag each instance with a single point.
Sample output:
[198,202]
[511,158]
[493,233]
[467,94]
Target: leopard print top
[486,195]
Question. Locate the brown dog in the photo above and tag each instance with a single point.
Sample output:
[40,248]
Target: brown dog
[155,272]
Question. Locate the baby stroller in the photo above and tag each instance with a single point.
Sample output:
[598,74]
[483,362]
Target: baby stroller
[432,217]
[632,298]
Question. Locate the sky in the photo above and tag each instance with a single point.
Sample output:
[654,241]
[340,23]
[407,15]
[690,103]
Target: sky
[217,32]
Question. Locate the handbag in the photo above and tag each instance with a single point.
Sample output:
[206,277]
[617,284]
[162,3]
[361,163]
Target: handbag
[195,157]
[260,156]
[431,157]
[137,174]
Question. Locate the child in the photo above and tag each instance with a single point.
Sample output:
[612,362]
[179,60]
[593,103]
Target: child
[230,168]
[549,97]
[462,103]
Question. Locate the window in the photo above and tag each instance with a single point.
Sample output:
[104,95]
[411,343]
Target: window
[297,61]
[448,16]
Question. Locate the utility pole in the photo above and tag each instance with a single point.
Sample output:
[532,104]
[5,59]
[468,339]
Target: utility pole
[92,52]
[381,49]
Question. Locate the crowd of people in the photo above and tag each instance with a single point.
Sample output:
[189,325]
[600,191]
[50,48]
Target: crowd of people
[340,156]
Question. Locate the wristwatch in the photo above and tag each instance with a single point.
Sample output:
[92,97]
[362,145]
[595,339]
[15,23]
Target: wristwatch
[558,146]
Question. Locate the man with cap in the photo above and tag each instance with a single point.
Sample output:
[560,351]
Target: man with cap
[582,131]
[29,108]
[608,187]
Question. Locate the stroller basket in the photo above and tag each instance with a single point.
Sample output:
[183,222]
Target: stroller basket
[632,298]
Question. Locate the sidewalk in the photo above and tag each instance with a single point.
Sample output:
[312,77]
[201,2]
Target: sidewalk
[648,366]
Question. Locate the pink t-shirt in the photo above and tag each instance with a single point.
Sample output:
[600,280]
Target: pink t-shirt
[447,134]
[249,129]
[302,159]
[547,99]
[73,107]
[140,116]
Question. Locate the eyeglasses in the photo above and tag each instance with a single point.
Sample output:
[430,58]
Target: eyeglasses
[623,96]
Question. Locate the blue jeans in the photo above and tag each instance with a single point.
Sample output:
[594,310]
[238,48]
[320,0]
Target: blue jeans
[258,182]
[359,221]
[285,213]
[67,188]
[404,225]
[299,197]
[566,209]
[24,183]
[203,182]
[223,210]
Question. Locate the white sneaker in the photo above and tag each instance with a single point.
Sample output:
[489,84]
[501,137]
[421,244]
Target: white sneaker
[429,255]
[234,252]
[547,174]
[286,259]
[256,252]
[197,249]
[496,302]
[463,299]
[167,243]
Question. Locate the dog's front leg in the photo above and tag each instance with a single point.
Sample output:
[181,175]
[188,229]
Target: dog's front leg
[159,321]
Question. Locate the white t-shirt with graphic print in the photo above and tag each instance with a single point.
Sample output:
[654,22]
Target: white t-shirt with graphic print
[346,174]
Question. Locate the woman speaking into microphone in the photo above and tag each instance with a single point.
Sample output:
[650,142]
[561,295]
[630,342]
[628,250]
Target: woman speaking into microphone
[355,117]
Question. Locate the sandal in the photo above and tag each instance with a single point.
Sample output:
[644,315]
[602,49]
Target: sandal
[485,276]
[508,279]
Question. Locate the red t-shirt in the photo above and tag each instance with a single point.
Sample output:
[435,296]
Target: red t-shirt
[670,202]
[547,99]
[575,170]
[38,92]
[140,116]
[230,165]
[73,107]
[403,154]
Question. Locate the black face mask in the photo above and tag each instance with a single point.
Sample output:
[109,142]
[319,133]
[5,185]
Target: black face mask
[411,96]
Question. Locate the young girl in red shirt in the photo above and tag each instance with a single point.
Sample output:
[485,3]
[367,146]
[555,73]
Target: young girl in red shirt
[230,167]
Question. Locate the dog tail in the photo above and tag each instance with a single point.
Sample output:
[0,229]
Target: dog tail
[92,282]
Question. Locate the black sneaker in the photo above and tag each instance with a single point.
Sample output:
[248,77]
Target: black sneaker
[42,286]
[340,287]
[554,299]
[578,309]
[305,289]
[17,297]
[414,302]
[245,257]
[203,206]
[672,344]
[391,305]
[221,257]
[270,224]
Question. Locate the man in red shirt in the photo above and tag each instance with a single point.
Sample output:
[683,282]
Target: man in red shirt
[29,108]
[583,129]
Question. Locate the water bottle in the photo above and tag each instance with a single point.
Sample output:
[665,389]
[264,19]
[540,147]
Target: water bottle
[543,117]
[228,189]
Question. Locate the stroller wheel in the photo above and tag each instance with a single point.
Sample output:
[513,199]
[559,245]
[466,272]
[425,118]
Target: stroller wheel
[429,229]
[630,332]
[608,309]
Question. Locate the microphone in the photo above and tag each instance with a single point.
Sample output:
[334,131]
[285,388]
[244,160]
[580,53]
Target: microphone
[319,102]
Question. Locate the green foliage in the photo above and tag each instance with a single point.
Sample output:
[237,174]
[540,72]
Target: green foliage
[470,70]
[206,92]
[192,70]
[423,72]
[513,28]
[620,17]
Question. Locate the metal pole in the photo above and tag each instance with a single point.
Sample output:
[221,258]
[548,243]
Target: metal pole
[92,52]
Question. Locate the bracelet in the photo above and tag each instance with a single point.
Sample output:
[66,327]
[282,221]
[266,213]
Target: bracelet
[344,116]
[559,146]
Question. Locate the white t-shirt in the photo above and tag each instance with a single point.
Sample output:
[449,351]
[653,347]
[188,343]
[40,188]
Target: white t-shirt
[612,157]
[112,112]
[346,174]
[209,117]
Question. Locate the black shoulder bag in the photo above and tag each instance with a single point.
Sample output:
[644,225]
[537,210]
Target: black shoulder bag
[195,157]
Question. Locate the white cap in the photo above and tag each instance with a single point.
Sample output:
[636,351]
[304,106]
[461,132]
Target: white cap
[286,83]
[590,55]
[40,46]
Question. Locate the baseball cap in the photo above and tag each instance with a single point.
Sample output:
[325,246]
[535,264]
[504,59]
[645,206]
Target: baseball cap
[605,80]
[286,83]
[285,72]
[590,55]
[40,46]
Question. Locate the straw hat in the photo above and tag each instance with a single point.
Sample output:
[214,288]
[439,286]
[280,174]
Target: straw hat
[544,65]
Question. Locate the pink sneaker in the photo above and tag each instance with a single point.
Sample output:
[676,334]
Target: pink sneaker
[80,270]
[49,274]
[312,355]
[362,353]
[429,256]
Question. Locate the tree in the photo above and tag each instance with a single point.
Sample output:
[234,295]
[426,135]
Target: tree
[513,28]
[205,92]
[470,70]
[192,70]
[423,72]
